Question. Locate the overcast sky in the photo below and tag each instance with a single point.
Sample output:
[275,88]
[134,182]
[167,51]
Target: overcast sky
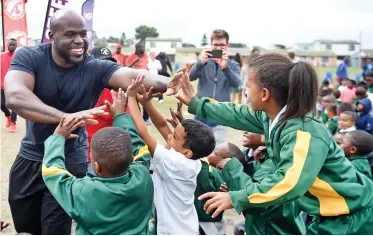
[258,22]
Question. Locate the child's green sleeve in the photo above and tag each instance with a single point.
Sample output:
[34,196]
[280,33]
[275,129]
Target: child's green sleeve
[64,187]
[227,114]
[139,148]
[301,159]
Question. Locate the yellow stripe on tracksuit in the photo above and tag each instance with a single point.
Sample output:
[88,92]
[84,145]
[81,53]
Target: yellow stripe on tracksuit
[53,170]
[142,151]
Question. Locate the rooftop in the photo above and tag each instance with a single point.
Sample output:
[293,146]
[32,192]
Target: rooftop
[325,41]
[173,40]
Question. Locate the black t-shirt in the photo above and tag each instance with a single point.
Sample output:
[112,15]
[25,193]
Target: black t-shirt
[66,89]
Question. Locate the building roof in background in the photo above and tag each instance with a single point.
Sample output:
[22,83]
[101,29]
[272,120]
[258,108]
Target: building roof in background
[173,40]
[368,52]
[325,41]
[311,53]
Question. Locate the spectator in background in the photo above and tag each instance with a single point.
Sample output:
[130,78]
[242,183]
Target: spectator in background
[119,56]
[362,93]
[367,67]
[369,81]
[342,70]
[216,77]
[291,54]
[154,65]
[165,62]
[364,120]
[236,93]
[348,94]
[6,59]
[139,60]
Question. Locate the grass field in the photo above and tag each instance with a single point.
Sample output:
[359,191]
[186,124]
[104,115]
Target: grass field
[10,145]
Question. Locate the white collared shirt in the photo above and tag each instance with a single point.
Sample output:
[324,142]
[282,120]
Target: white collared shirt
[353,128]
[175,181]
[275,121]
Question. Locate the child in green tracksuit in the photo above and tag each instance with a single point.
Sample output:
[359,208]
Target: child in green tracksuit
[275,220]
[209,179]
[119,199]
[356,146]
[311,168]
[332,123]
[325,102]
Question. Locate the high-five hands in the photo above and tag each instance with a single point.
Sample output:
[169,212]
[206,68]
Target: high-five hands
[66,127]
[119,103]
[186,93]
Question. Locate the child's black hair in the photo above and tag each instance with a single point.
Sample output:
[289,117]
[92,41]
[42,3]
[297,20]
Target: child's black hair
[236,152]
[336,93]
[353,82]
[325,91]
[360,91]
[292,84]
[362,140]
[345,106]
[369,74]
[112,149]
[350,114]
[332,108]
[325,83]
[363,84]
[199,138]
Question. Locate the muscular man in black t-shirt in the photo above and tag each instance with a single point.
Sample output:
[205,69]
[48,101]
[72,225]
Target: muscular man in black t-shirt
[43,84]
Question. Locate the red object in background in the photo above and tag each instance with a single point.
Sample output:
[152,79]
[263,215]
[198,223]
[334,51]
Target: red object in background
[103,121]
[6,59]
[14,21]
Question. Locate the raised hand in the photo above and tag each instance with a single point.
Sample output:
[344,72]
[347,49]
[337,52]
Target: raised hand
[175,84]
[186,93]
[135,86]
[66,127]
[119,103]
[4,225]
[217,200]
[145,97]
[88,115]
[176,117]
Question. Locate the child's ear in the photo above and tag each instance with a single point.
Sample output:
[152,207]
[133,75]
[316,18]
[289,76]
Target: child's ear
[188,153]
[353,150]
[96,167]
[265,94]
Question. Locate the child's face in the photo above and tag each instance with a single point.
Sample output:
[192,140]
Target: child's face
[347,146]
[369,81]
[345,82]
[338,139]
[360,107]
[345,122]
[176,141]
[220,152]
[254,91]
[330,114]
[350,85]
[325,102]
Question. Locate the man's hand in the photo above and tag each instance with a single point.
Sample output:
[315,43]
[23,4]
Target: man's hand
[218,200]
[223,61]
[145,97]
[66,127]
[187,91]
[204,55]
[3,225]
[135,86]
[119,103]
[88,115]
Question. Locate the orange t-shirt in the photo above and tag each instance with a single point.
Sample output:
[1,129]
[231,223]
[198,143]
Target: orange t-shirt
[120,57]
[141,64]
[6,60]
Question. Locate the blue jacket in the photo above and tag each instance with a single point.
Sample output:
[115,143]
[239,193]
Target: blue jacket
[364,120]
[342,70]
[214,82]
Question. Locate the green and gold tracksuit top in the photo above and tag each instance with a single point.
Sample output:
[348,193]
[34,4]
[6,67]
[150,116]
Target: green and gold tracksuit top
[121,205]
[209,179]
[282,219]
[362,165]
[311,168]
[324,117]
[332,125]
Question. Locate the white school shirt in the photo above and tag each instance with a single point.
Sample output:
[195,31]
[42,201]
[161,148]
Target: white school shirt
[175,181]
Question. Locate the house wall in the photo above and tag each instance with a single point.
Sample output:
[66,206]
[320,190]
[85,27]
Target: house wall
[339,49]
[167,47]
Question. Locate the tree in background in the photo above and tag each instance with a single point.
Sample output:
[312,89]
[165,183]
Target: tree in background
[123,38]
[204,41]
[142,32]
[188,45]
[112,39]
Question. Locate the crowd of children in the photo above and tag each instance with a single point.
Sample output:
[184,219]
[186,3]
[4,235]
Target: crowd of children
[306,167]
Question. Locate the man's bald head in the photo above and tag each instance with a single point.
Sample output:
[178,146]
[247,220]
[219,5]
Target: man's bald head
[64,16]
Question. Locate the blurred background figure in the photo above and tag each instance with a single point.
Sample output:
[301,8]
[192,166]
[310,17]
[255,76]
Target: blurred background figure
[165,62]
[236,93]
[119,56]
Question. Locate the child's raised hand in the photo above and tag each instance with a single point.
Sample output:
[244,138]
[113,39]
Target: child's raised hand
[4,225]
[145,97]
[176,117]
[119,103]
[135,86]
[186,93]
[66,127]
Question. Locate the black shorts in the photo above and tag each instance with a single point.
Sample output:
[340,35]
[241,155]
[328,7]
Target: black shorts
[34,209]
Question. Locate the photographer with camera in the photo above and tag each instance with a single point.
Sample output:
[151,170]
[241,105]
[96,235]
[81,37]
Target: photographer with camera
[216,74]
